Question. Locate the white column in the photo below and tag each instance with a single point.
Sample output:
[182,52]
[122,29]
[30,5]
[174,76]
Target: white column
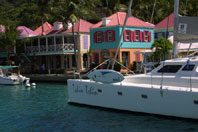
[54,43]
[63,42]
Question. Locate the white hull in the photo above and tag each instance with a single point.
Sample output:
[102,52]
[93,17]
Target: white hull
[8,81]
[172,101]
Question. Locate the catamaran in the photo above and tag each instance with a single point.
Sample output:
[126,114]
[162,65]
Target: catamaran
[171,89]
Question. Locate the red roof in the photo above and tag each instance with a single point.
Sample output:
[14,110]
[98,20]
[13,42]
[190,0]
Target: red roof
[52,31]
[118,19]
[47,27]
[80,26]
[164,22]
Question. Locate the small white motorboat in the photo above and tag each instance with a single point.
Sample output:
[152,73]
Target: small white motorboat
[9,77]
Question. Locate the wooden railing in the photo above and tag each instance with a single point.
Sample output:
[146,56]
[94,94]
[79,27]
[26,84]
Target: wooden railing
[49,48]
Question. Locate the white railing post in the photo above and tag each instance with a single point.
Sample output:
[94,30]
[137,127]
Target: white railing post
[54,43]
[63,43]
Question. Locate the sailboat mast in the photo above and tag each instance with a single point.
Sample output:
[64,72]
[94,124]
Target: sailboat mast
[118,46]
[176,14]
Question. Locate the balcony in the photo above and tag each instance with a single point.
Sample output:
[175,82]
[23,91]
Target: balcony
[49,48]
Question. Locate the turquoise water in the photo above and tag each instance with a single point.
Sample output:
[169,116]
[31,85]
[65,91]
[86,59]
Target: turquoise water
[45,109]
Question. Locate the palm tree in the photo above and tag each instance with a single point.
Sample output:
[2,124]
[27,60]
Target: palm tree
[73,20]
[162,46]
[8,39]
[44,8]
[75,9]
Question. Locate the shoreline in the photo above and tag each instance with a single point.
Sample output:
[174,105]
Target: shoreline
[54,77]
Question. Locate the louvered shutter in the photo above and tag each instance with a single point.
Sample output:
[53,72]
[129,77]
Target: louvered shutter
[125,35]
[102,39]
[140,36]
[149,37]
[134,36]
[106,36]
[113,35]
[95,37]
[131,35]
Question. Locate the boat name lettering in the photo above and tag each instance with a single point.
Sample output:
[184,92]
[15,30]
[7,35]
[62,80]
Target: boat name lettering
[91,91]
[77,89]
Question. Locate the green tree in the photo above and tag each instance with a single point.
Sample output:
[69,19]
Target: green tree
[8,39]
[44,10]
[162,47]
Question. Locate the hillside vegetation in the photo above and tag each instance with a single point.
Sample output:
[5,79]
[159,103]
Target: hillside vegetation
[32,13]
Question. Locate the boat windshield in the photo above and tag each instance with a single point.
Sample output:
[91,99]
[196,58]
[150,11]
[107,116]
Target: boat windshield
[170,69]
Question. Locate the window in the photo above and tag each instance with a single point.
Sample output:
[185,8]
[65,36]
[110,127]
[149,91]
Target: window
[188,68]
[99,36]
[144,96]
[85,42]
[127,35]
[137,36]
[146,36]
[170,68]
[110,36]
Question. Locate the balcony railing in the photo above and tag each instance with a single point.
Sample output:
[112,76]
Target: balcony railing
[49,48]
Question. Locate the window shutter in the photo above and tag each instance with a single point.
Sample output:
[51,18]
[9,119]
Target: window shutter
[131,36]
[106,36]
[124,35]
[113,35]
[95,37]
[140,36]
[149,37]
[143,36]
[134,36]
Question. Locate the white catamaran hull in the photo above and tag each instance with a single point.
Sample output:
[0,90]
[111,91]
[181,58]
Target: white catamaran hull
[170,101]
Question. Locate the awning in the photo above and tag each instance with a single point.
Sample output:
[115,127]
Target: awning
[7,67]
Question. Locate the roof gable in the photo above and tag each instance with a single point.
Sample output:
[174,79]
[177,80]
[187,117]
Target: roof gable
[118,19]
[163,24]
[80,26]
[47,28]
[26,31]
